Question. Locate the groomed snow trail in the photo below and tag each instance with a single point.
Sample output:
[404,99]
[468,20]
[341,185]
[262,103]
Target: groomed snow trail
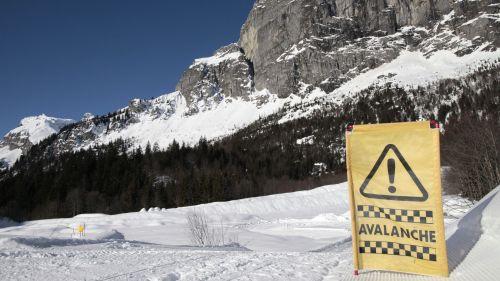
[116,261]
[295,236]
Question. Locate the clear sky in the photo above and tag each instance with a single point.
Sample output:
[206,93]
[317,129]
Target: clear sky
[64,58]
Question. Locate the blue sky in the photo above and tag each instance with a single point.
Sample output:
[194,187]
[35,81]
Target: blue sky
[65,58]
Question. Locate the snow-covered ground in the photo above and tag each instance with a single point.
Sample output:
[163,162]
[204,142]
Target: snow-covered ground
[295,236]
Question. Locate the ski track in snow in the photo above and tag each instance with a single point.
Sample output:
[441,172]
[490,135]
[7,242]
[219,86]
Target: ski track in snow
[294,236]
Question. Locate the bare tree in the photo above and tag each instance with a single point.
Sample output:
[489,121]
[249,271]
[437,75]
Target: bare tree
[202,233]
[472,149]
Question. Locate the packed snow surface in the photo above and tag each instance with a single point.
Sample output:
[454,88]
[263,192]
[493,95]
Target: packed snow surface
[303,235]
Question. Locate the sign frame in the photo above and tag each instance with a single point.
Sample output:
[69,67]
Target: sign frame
[436,215]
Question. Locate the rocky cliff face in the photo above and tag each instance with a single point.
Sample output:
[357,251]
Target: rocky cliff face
[326,42]
[292,53]
[228,73]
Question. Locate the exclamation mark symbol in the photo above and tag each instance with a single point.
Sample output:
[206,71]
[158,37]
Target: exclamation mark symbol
[391,168]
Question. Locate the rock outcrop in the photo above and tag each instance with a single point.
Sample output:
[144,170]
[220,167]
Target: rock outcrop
[208,80]
[320,42]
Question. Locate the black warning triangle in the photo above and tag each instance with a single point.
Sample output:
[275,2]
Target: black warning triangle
[392,147]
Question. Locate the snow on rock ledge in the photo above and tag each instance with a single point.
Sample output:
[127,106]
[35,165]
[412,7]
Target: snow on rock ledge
[413,69]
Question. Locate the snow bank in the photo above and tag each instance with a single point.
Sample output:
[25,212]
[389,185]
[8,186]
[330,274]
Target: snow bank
[330,199]
[298,221]
[304,218]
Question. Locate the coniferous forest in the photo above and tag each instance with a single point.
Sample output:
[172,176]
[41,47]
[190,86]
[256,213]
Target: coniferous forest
[110,179]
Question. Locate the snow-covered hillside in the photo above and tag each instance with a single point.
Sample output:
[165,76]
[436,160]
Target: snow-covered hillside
[296,236]
[166,118]
[30,131]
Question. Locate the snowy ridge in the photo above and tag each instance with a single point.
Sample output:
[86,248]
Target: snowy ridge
[216,59]
[30,131]
[313,68]
[37,128]
[167,118]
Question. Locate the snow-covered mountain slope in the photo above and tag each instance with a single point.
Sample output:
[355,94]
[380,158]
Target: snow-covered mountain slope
[30,131]
[409,72]
[295,56]
[303,235]
[414,69]
[168,118]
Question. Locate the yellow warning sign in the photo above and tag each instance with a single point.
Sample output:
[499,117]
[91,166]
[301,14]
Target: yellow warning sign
[395,195]
[413,191]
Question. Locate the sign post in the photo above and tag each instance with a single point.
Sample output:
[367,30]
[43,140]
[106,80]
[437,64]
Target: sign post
[395,198]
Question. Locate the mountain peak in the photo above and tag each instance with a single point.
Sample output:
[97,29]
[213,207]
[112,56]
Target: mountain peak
[31,130]
[37,128]
[87,116]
